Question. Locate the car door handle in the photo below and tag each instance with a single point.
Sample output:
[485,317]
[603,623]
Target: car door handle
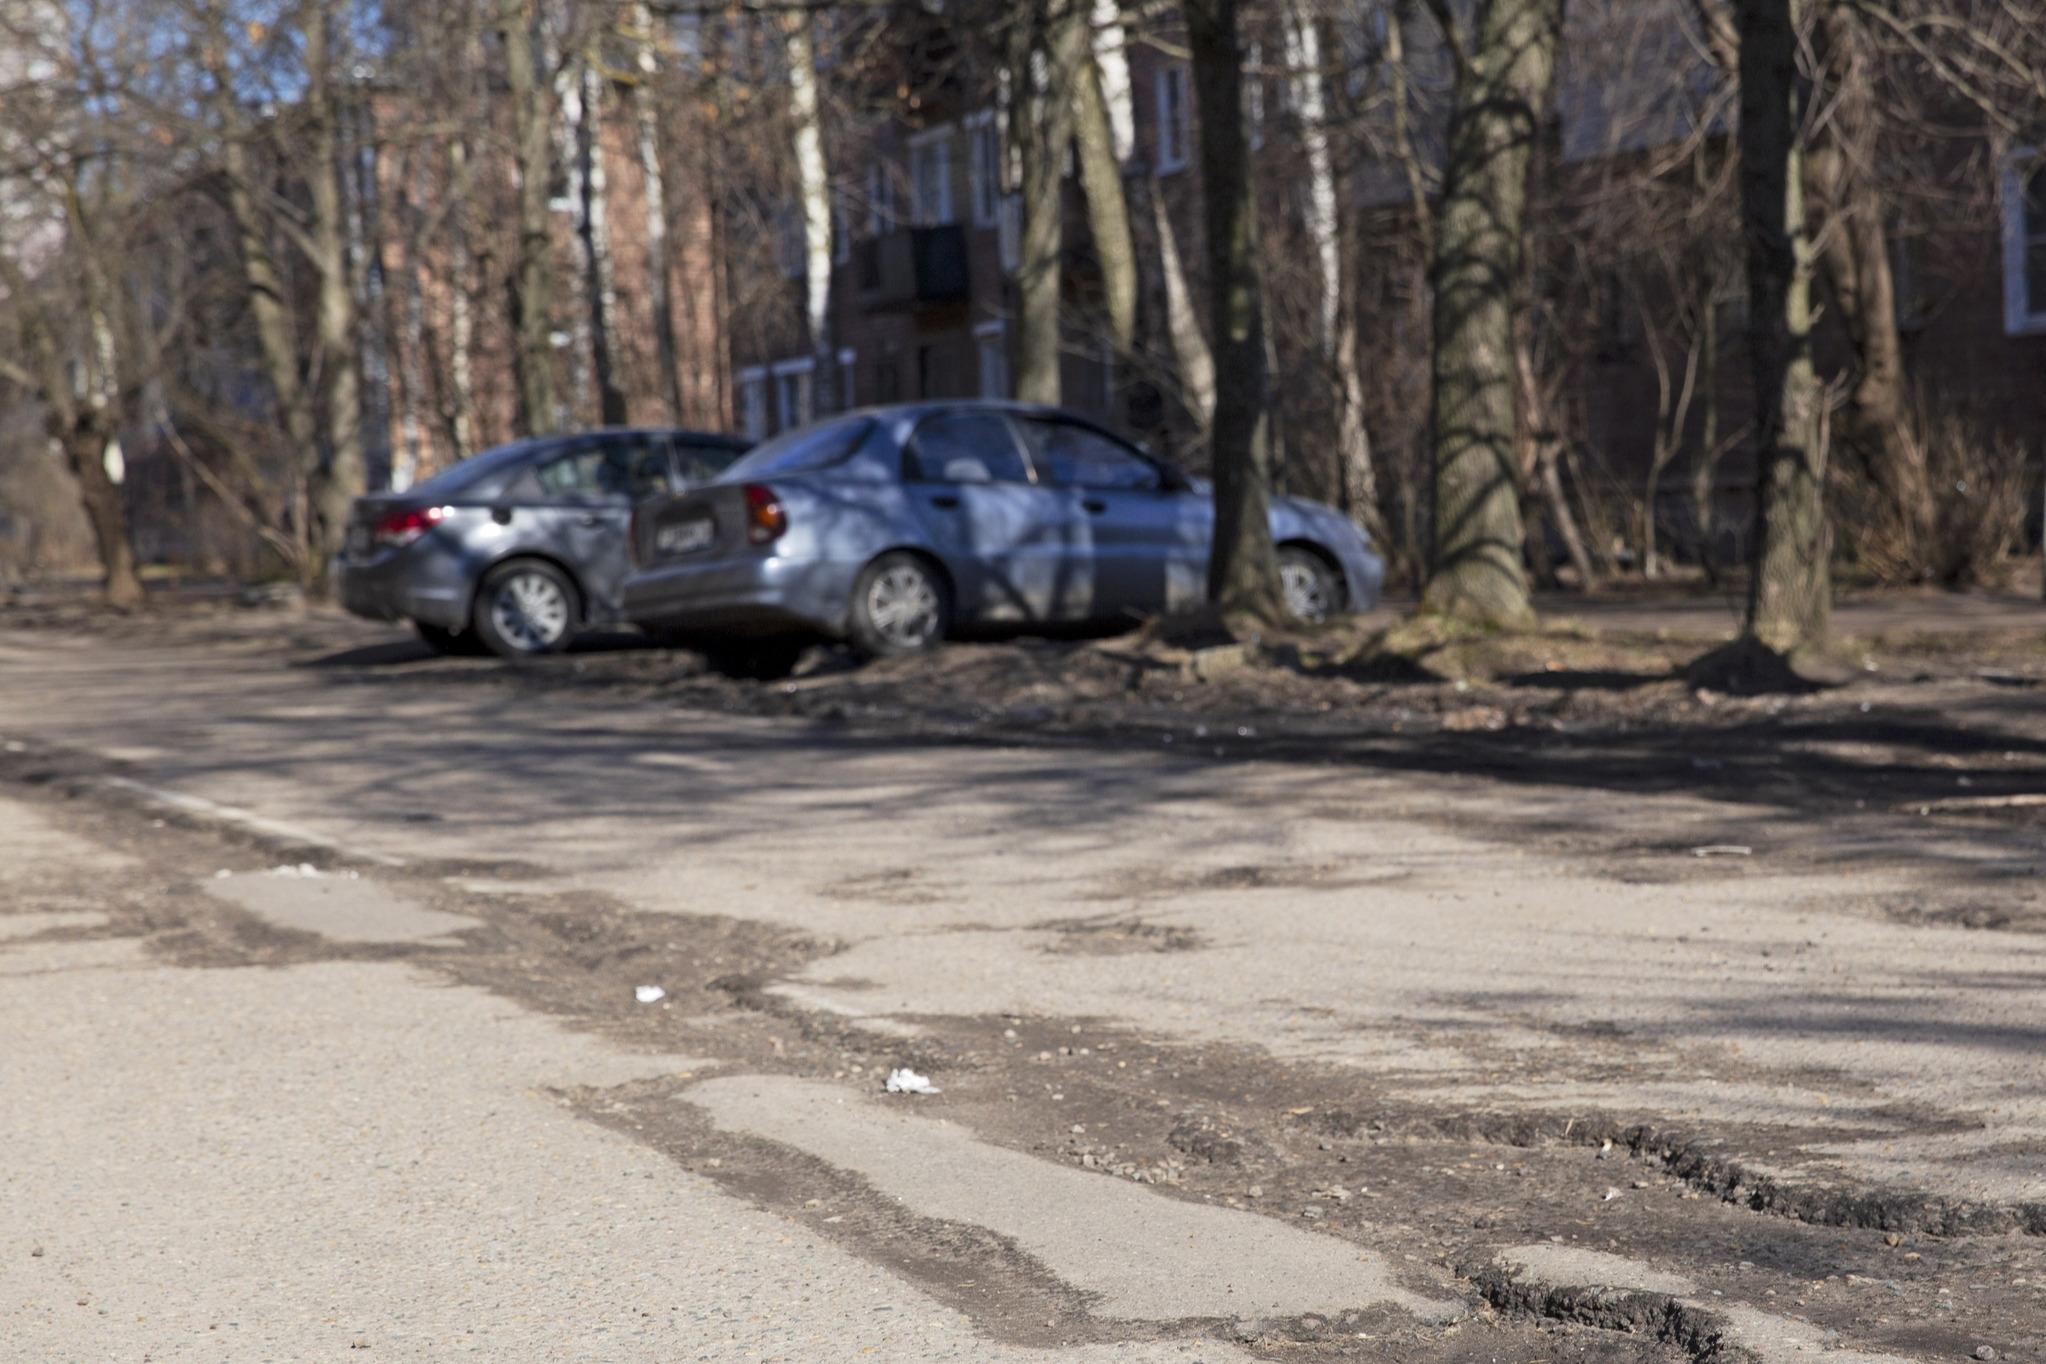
[1094,504]
[946,501]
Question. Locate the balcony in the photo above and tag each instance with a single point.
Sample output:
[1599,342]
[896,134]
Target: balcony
[911,266]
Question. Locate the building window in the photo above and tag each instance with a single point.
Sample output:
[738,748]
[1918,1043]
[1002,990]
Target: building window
[991,344]
[883,213]
[1172,119]
[930,177]
[2024,242]
[792,393]
[753,403]
[984,169]
[841,232]
[1009,233]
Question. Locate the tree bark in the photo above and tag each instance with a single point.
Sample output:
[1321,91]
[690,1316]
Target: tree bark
[342,473]
[1044,50]
[1480,267]
[1855,252]
[1191,354]
[594,229]
[1108,209]
[654,185]
[532,290]
[1790,597]
[813,190]
[1243,577]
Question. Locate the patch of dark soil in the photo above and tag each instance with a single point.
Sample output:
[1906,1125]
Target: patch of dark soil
[1119,937]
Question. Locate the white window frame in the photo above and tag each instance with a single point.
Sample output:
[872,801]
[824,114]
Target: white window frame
[996,332]
[751,383]
[938,140]
[1173,134]
[2022,315]
[984,173]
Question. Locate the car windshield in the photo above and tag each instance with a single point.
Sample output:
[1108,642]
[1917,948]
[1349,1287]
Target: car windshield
[802,450]
[460,477]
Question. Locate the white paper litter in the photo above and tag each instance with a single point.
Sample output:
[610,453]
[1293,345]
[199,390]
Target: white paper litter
[1723,850]
[649,994]
[906,1081]
[303,869]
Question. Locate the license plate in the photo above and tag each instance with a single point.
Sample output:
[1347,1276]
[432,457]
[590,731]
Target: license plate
[686,537]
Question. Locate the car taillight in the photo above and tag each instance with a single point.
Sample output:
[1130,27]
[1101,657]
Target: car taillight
[403,527]
[765,518]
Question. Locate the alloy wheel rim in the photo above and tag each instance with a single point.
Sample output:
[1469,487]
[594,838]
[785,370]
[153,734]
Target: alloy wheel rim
[530,611]
[902,603]
[1304,592]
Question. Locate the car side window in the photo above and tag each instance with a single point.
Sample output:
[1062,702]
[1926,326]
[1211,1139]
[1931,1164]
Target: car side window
[610,471]
[964,447]
[1070,456]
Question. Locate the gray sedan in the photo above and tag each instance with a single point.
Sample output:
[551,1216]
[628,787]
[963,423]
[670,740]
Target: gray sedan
[516,549]
[889,526]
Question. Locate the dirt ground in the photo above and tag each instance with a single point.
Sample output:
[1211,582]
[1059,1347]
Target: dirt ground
[1939,738]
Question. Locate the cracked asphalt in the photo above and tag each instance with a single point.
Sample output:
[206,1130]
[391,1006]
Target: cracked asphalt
[319,985]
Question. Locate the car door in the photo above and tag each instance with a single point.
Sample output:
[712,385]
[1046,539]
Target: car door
[1017,550]
[584,494]
[1149,534]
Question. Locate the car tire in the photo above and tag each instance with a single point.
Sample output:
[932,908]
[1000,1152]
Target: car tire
[755,660]
[901,604]
[1312,591]
[524,609]
[446,642]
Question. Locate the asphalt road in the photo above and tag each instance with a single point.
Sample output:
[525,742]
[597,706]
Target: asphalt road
[319,992]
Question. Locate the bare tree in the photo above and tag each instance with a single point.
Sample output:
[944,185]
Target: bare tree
[1790,598]
[1243,577]
[1503,80]
[532,94]
[1046,42]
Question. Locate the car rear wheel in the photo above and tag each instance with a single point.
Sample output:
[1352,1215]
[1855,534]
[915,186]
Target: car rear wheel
[442,640]
[524,609]
[1312,591]
[900,605]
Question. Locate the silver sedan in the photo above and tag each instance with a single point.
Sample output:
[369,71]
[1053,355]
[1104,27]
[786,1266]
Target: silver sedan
[890,526]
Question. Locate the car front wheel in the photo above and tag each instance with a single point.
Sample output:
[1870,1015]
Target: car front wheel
[900,605]
[524,609]
[1312,591]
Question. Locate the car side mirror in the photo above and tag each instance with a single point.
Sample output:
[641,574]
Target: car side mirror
[967,469]
[1174,478]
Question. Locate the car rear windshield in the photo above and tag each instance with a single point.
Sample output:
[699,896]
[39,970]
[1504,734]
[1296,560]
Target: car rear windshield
[471,472]
[803,450]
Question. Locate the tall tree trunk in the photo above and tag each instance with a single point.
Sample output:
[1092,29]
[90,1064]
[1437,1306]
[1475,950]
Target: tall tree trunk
[1108,209]
[1190,351]
[654,185]
[593,229]
[1044,51]
[91,452]
[1790,598]
[813,181]
[342,474]
[459,402]
[1243,576]
[1329,225]
[532,291]
[276,328]
[80,393]
[1480,269]
[1855,252]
